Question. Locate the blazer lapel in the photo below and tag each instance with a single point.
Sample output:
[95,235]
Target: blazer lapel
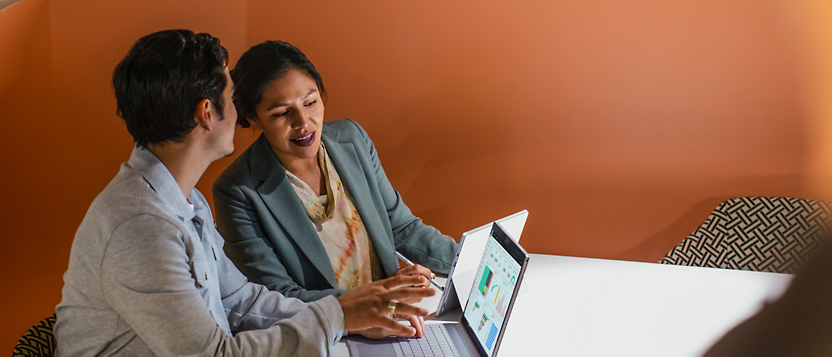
[346,161]
[279,196]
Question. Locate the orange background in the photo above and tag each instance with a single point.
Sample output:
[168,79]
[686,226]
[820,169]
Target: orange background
[618,125]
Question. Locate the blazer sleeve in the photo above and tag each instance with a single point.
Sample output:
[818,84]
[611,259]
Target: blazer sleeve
[248,245]
[148,282]
[420,242]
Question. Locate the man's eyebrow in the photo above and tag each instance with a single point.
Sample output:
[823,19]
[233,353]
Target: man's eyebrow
[285,104]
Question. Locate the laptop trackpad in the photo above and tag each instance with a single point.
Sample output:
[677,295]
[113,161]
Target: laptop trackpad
[364,347]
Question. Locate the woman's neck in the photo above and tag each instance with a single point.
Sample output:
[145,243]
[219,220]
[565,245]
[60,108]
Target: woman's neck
[308,171]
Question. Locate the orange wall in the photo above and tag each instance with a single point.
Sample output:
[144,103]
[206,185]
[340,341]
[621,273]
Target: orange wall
[34,246]
[62,142]
[618,125]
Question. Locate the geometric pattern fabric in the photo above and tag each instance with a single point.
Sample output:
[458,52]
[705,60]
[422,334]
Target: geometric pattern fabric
[771,234]
[38,341]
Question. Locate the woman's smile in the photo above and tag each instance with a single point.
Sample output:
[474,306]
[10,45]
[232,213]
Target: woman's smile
[305,141]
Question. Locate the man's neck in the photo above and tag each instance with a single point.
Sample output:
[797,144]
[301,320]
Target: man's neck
[185,162]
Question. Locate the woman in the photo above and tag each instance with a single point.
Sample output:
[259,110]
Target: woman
[307,209]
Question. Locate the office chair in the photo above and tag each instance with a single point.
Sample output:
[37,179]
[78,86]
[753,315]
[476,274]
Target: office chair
[771,234]
[39,340]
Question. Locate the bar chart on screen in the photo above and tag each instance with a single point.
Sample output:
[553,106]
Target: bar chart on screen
[501,305]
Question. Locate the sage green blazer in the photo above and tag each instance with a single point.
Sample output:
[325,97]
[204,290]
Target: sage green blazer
[270,238]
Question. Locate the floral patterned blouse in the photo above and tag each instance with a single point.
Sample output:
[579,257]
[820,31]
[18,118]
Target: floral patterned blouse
[339,226]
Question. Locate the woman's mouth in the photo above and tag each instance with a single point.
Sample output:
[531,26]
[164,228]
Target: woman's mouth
[305,140]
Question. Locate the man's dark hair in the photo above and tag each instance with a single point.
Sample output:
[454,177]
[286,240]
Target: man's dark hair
[261,65]
[160,82]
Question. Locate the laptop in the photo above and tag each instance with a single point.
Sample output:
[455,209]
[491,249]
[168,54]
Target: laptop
[471,246]
[481,327]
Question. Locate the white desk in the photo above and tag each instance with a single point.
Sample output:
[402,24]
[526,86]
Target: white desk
[595,307]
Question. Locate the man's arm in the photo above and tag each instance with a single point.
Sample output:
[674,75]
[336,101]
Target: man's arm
[250,306]
[148,280]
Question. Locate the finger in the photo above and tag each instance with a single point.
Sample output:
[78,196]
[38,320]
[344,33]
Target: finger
[416,269]
[372,333]
[404,294]
[410,295]
[407,310]
[413,299]
[398,281]
[418,323]
[392,328]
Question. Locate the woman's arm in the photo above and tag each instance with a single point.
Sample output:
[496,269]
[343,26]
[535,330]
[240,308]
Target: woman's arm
[248,245]
[420,242]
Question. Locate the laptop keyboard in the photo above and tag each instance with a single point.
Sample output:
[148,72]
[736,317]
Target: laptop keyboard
[435,343]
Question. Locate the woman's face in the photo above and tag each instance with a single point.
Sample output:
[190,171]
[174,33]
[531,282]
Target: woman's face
[291,115]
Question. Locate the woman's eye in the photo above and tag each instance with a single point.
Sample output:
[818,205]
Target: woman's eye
[281,113]
[311,103]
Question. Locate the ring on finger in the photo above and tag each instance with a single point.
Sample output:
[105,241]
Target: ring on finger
[391,307]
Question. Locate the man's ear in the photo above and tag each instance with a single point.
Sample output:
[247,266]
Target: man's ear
[202,114]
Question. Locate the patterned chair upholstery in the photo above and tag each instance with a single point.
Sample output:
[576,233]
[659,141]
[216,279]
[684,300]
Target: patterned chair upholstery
[38,341]
[771,234]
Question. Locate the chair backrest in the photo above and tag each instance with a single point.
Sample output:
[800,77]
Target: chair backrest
[772,234]
[39,340]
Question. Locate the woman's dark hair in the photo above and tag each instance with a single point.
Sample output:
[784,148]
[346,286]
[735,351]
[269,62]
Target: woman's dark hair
[261,65]
[160,82]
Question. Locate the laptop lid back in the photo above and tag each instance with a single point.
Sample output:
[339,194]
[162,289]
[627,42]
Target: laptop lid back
[471,246]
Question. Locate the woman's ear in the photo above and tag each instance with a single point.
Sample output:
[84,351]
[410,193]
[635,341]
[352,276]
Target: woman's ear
[255,124]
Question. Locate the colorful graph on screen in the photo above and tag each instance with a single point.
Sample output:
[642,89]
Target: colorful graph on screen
[498,292]
[501,305]
[483,321]
[485,282]
[492,335]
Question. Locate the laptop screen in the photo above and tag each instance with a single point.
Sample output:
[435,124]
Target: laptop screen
[493,287]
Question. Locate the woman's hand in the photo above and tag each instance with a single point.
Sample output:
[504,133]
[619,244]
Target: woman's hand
[416,270]
[367,307]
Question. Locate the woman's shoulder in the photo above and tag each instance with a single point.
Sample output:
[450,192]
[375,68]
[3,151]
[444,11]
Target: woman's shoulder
[344,127]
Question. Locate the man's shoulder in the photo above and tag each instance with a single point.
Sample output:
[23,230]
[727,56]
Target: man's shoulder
[127,196]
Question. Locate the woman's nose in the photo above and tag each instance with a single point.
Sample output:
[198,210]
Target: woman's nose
[300,121]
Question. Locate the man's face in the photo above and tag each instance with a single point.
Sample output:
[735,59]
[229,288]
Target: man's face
[225,127]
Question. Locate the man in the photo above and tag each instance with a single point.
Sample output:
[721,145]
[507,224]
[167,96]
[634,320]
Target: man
[147,273]
[797,324]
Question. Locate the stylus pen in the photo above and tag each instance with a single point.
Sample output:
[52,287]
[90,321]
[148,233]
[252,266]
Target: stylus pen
[408,262]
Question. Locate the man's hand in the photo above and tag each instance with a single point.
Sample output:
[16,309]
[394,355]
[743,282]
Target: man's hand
[381,332]
[416,269]
[366,307]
